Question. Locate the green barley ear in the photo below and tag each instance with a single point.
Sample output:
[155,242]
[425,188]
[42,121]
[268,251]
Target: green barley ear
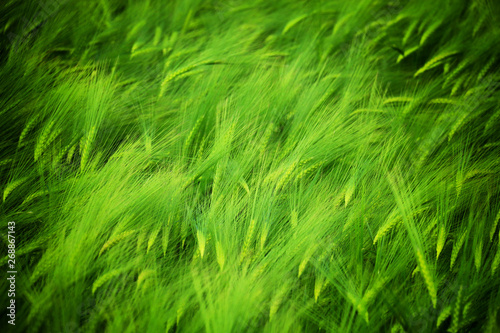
[34,196]
[349,191]
[294,218]
[193,133]
[485,69]
[441,240]
[115,240]
[42,142]
[286,177]
[86,146]
[263,236]
[494,225]
[428,277]
[443,101]
[105,278]
[45,265]
[443,315]
[277,300]
[373,291]
[165,236]
[248,240]
[496,259]
[293,23]
[492,322]
[319,284]
[144,276]
[29,126]
[152,238]
[495,117]
[182,72]
[305,260]
[478,248]
[359,306]
[456,318]
[201,242]
[460,121]
[13,185]
[308,171]
[409,31]
[456,248]
[393,219]
[430,30]
[436,61]
[221,258]
[398,99]
[407,53]
[71,152]
[452,76]
[265,139]
[458,84]
[140,241]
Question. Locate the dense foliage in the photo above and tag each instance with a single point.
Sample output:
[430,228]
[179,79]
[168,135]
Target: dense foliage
[252,166]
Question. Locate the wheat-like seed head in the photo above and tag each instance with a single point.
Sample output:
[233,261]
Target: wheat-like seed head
[443,315]
[496,260]
[456,248]
[201,242]
[12,186]
[478,249]
[29,126]
[42,140]
[152,238]
[86,146]
[114,240]
[440,241]
[105,278]
[456,312]
[428,278]
[248,240]
[221,258]
[494,226]
[143,276]
[319,283]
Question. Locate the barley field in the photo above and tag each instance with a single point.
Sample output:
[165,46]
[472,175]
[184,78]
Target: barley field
[250,166]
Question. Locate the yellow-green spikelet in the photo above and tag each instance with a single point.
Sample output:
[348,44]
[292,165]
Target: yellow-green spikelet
[428,278]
